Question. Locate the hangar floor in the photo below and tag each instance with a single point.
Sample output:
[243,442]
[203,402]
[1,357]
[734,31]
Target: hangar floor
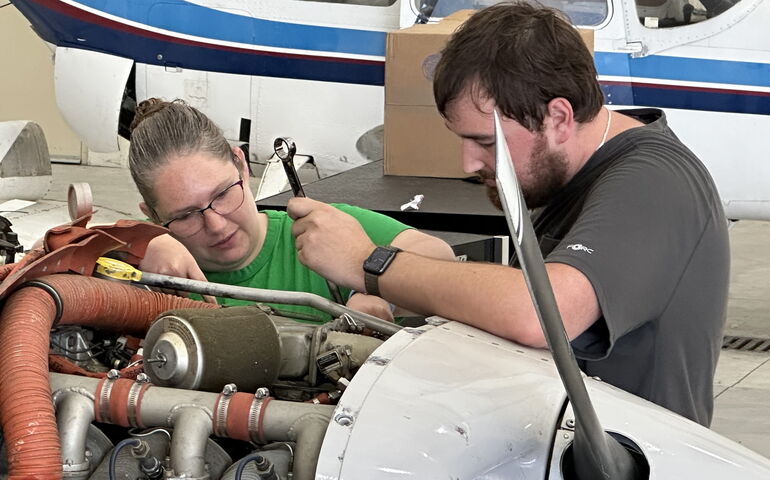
[742,383]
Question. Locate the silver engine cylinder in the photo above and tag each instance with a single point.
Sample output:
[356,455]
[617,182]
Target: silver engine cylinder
[206,349]
[198,349]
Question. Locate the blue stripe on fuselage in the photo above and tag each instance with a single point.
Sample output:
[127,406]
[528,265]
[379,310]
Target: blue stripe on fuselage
[683,69]
[108,37]
[690,99]
[65,30]
[190,19]
[187,18]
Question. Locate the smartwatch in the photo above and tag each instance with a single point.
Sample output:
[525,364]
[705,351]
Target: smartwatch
[374,266]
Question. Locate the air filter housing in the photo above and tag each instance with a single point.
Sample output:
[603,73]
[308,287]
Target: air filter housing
[201,349]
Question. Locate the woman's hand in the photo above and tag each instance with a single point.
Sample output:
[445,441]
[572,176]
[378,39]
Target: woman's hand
[167,256]
[372,305]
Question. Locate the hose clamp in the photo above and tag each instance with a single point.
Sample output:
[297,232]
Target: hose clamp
[256,413]
[220,413]
[75,469]
[135,395]
[103,398]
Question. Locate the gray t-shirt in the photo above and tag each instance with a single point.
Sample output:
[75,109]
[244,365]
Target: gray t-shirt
[642,220]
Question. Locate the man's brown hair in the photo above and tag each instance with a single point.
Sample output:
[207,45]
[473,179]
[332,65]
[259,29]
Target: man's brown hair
[522,56]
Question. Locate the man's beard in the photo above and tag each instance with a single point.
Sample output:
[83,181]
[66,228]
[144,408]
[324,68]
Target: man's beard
[547,174]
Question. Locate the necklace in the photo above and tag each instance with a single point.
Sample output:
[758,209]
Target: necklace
[606,129]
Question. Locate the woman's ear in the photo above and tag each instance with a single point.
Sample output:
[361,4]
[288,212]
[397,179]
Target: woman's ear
[148,212]
[242,165]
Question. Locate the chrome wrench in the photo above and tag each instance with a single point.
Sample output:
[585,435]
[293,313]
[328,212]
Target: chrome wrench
[285,148]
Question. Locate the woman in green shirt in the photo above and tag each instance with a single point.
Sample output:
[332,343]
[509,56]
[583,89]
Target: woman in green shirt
[195,184]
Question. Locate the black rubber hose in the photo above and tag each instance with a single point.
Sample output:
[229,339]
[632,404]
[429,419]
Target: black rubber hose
[262,464]
[115,451]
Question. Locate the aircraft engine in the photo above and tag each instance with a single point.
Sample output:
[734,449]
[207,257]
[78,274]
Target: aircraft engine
[101,379]
[174,404]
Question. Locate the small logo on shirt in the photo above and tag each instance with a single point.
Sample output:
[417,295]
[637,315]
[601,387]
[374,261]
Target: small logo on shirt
[578,247]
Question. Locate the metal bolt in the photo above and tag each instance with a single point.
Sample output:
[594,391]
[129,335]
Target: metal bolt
[229,389]
[159,56]
[141,450]
[435,321]
[566,436]
[262,392]
[142,378]
[570,423]
[343,419]
[113,374]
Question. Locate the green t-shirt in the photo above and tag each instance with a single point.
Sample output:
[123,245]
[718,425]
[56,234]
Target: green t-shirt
[277,267]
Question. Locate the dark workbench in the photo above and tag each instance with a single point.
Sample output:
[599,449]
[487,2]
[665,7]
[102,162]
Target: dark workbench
[450,205]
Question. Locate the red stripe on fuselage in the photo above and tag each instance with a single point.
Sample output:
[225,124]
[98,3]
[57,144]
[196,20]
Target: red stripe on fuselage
[688,88]
[89,17]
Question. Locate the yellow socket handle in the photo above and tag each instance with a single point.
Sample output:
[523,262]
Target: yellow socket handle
[117,270]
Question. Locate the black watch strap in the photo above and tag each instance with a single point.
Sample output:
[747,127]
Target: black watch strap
[372,284]
[375,265]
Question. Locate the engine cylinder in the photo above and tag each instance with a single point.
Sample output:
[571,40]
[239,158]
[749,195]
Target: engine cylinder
[207,349]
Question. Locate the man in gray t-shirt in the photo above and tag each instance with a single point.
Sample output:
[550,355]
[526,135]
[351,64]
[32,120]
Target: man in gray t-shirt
[635,235]
[642,221]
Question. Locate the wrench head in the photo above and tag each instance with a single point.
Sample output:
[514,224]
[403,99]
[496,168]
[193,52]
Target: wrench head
[284,148]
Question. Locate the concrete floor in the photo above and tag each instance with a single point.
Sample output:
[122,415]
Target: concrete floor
[742,383]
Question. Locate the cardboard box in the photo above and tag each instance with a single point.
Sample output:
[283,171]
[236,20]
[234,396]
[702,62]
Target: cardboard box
[417,142]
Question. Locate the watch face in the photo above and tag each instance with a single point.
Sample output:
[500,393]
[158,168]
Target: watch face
[379,260]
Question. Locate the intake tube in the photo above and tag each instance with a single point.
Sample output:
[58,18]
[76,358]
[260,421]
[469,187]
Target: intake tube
[26,412]
[239,415]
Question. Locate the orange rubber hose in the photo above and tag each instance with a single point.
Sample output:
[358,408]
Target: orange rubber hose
[26,412]
[6,270]
[28,258]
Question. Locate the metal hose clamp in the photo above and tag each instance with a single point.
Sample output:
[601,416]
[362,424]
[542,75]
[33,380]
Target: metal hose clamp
[104,396]
[220,414]
[134,399]
[255,419]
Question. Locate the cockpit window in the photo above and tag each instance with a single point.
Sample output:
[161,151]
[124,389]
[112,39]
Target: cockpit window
[581,12]
[675,13]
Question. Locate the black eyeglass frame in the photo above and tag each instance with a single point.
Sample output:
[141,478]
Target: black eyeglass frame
[210,206]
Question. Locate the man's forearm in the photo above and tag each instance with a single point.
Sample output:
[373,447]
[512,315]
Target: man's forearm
[423,244]
[491,297]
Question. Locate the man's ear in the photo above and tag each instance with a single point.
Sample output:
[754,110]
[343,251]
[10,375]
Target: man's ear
[559,119]
[242,165]
[147,211]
